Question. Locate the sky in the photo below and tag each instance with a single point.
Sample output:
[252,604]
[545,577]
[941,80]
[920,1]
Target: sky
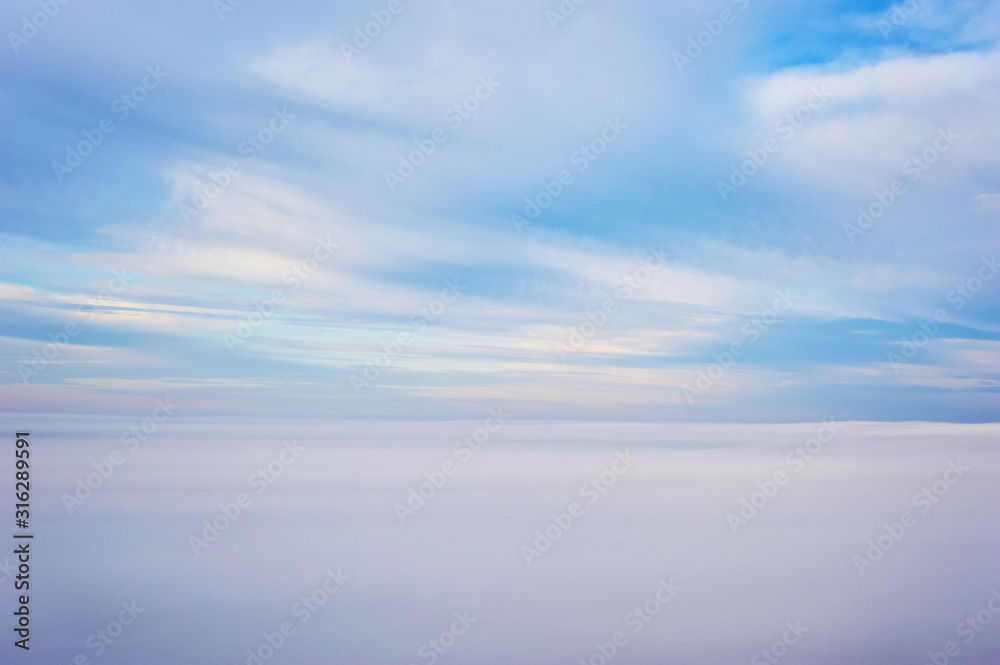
[533,331]
[575,213]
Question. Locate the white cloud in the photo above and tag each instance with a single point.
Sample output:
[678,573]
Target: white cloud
[880,114]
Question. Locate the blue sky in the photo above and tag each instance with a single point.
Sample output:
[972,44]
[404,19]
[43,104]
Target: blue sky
[329,127]
[693,234]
